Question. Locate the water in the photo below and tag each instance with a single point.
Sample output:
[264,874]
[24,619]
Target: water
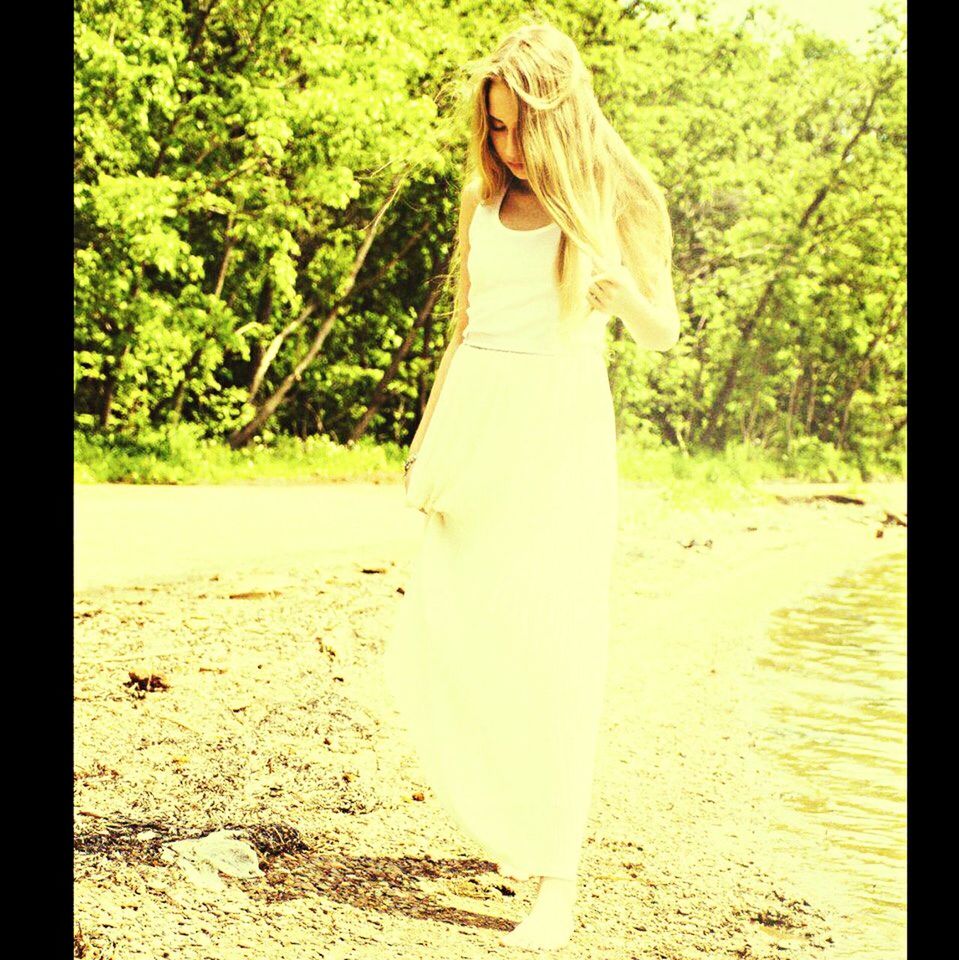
[835,724]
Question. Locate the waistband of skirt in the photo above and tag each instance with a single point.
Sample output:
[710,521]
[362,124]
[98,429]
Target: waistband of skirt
[587,350]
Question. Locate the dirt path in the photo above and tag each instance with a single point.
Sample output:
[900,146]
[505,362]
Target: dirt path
[275,723]
[153,534]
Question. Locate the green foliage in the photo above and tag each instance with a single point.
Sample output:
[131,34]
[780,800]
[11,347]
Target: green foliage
[813,459]
[717,479]
[264,194]
[179,454]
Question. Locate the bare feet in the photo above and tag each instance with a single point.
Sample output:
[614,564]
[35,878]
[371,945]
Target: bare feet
[506,869]
[550,922]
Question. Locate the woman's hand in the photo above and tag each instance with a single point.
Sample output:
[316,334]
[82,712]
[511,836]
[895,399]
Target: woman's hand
[406,481]
[613,290]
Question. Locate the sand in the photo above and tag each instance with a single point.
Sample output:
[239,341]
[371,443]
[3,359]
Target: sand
[260,614]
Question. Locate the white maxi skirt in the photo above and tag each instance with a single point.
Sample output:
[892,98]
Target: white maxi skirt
[497,659]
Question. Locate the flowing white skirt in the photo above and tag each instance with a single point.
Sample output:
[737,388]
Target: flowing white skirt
[498,656]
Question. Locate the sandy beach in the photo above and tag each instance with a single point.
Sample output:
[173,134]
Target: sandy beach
[255,618]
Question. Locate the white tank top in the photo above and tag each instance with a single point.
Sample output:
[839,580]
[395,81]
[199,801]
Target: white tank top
[513,301]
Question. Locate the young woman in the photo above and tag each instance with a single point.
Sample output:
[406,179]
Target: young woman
[497,662]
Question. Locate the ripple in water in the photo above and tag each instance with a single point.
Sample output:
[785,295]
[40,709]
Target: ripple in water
[835,721]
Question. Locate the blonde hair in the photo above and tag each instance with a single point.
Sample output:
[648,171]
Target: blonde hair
[605,202]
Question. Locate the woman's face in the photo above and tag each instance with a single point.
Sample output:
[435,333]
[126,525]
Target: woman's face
[501,115]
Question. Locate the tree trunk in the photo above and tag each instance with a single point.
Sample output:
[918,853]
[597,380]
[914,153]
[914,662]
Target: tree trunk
[678,427]
[379,394]
[109,387]
[269,355]
[616,367]
[791,411]
[242,436]
[178,396]
[175,401]
[768,429]
[751,421]
[717,410]
[199,27]
[811,402]
[845,404]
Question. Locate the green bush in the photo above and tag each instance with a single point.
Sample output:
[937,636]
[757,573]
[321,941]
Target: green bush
[810,458]
[179,454]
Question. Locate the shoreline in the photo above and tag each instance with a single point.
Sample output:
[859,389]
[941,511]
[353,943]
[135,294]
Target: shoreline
[283,661]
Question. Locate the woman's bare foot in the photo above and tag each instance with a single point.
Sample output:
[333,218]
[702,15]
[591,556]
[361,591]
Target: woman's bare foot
[550,922]
[505,869]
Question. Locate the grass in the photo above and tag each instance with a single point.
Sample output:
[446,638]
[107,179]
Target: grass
[178,455]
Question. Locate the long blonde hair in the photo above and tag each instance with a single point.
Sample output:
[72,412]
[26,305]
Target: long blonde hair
[605,202]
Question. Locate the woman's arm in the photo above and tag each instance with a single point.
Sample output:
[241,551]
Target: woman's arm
[652,321]
[646,298]
[468,203]
[654,324]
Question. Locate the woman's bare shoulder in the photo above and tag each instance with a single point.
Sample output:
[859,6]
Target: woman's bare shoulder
[470,195]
